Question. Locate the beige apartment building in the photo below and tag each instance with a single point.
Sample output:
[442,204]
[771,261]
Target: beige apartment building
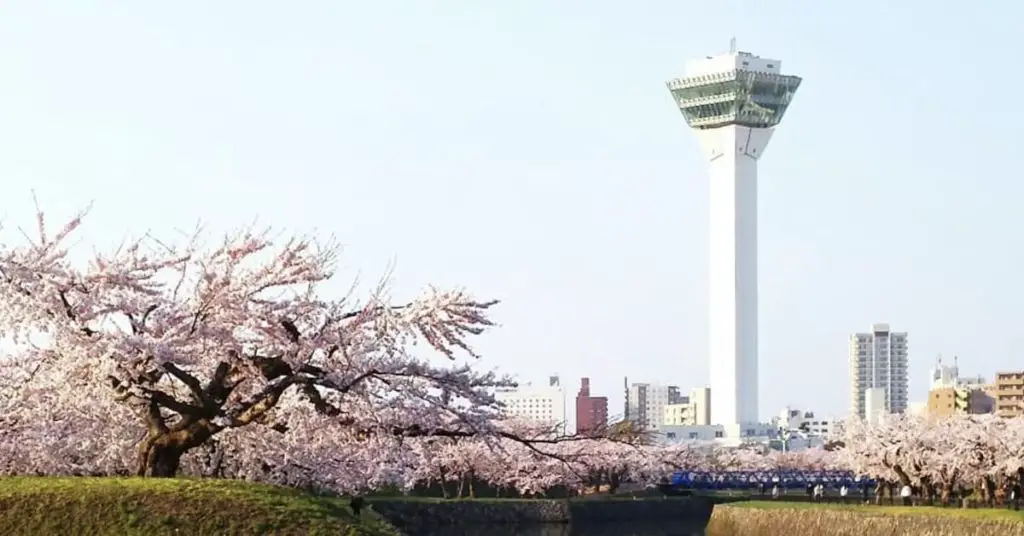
[949,401]
[1009,394]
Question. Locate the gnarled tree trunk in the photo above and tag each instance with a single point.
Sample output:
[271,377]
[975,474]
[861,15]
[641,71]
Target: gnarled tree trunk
[160,453]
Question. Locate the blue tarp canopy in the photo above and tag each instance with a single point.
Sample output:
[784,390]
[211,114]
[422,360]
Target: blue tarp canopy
[753,479]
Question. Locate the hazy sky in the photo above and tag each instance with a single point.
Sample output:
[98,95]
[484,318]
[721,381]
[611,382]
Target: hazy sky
[530,151]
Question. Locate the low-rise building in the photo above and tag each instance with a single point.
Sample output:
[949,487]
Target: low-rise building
[725,435]
[802,423]
[966,400]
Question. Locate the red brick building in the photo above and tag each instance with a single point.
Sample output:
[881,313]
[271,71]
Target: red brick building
[591,411]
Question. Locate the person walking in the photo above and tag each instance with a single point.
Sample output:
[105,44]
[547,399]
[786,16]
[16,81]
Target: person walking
[843,491]
[905,494]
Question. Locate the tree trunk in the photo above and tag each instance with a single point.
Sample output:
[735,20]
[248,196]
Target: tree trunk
[928,491]
[444,484]
[903,476]
[613,482]
[163,461]
[160,453]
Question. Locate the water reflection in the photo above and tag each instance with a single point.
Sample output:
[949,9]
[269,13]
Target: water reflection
[609,529]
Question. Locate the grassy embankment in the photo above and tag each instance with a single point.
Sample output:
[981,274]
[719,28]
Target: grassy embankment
[123,506]
[756,518]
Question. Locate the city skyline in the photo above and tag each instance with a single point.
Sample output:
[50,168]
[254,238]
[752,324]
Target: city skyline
[489,156]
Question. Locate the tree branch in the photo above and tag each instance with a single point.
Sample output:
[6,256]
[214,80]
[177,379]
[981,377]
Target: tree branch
[167,401]
[263,402]
[190,381]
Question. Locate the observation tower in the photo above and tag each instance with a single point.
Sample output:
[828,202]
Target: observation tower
[733,102]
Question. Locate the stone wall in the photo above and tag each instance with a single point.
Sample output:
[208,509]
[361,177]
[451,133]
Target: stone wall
[423,514]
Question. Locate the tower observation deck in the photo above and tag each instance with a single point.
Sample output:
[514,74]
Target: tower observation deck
[733,102]
[734,89]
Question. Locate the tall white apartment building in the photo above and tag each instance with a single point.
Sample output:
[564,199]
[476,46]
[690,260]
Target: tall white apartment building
[878,361]
[543,405]
[645,403]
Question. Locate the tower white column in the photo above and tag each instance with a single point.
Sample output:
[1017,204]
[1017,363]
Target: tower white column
[732,152]
[733,102]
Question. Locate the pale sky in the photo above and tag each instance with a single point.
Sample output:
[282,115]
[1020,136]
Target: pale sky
[530,152]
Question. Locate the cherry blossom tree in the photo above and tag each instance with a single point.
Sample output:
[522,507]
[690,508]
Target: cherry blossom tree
[143,355]
[937,455]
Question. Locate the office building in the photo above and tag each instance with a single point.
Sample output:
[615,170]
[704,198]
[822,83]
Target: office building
[542,405]
[733,102]
[878,360]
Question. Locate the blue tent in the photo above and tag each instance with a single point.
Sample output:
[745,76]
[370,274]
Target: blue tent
[747,480]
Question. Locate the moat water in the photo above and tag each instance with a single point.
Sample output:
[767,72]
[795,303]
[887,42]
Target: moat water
[610,529]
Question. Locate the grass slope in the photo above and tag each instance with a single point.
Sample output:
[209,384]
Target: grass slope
[99,506]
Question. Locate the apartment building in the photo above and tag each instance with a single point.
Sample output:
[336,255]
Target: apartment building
[645,402]
[878,361]
[1009,394]
[591,411]
[692,410]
